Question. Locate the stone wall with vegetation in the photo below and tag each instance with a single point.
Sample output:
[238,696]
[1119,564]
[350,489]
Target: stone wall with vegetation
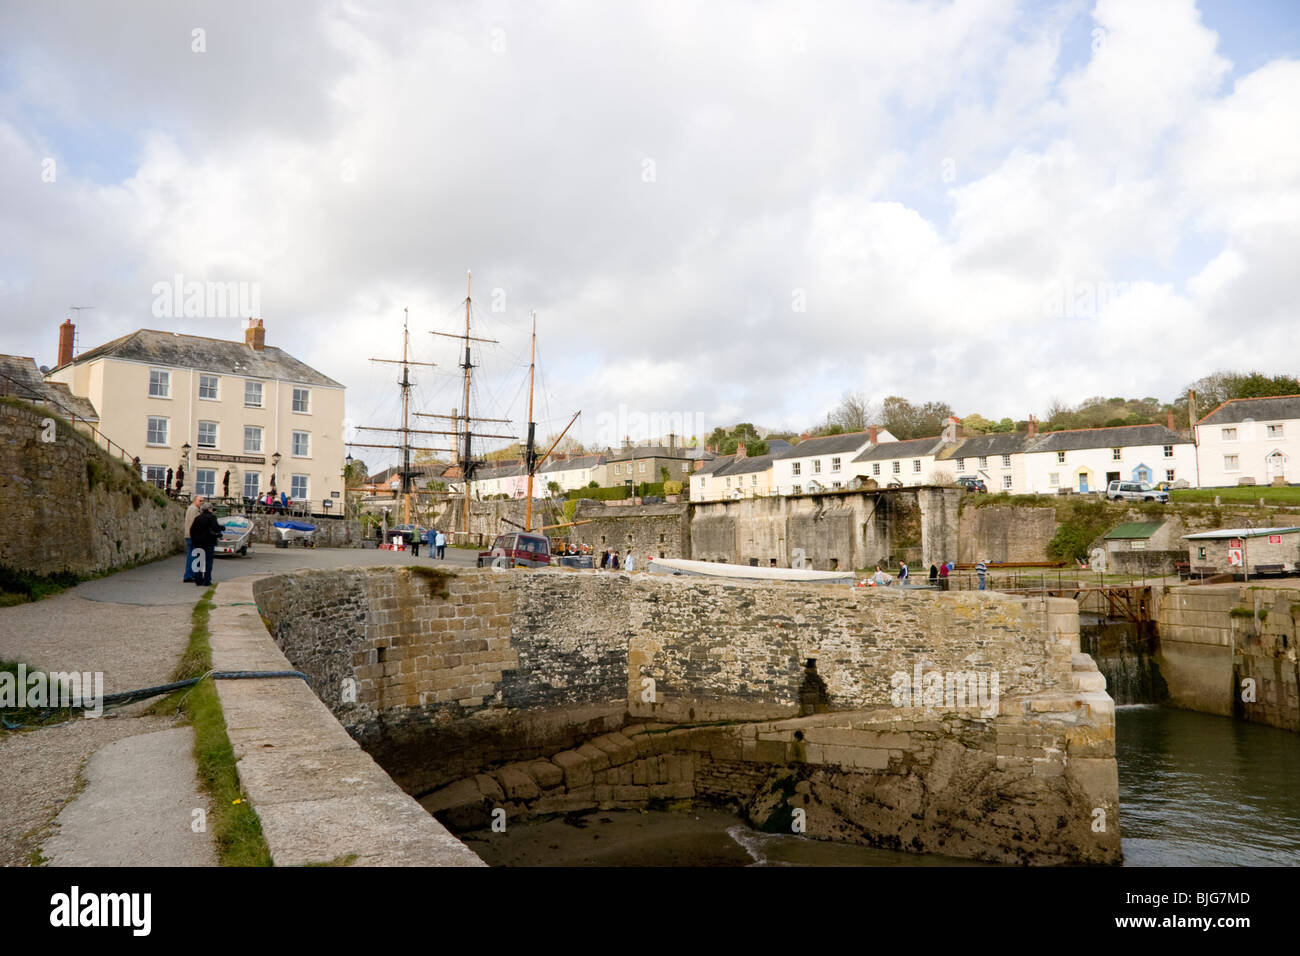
[69,507]
[492,680]
[841,530]
[1038,528]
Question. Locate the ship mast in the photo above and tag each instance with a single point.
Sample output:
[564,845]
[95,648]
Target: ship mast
[530,453]
[406,431]
[463,436]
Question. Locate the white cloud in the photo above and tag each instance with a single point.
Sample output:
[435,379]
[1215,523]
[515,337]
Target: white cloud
[357,159]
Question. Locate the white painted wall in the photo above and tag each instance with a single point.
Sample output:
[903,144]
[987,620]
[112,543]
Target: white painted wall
[1252,442]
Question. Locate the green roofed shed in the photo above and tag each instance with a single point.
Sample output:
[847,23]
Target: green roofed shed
[1134,529]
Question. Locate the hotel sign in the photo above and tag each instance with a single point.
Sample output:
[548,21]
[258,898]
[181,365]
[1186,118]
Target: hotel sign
[238,459]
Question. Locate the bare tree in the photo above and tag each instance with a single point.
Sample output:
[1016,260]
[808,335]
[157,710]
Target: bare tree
[854,412]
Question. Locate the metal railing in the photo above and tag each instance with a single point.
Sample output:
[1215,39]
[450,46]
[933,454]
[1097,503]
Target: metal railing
[7,385]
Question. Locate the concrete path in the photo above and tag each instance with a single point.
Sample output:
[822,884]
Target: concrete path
[140,808]
[132,627]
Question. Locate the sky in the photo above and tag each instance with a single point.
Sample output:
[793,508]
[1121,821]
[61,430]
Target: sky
[719,212]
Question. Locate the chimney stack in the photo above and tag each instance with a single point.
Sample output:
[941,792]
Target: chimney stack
[1033,427]
[872,433]
[66,332]
[1171,419]
[740,450]
[255,334]
[672,445]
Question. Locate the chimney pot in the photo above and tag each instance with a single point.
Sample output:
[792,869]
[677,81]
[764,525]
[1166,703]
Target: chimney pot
[66,333]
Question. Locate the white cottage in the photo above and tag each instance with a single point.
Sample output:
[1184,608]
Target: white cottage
[1250,441]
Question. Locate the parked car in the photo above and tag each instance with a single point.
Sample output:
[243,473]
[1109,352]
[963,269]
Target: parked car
[971,483]
[520,551]
[1134,491]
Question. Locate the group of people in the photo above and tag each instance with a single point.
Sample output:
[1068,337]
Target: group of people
[609,560]
[202,532]
[939,574]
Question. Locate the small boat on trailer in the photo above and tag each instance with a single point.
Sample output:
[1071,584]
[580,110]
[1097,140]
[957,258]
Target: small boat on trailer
[746,572]
[291,531]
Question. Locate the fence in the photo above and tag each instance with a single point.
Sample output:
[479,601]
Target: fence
[25,391]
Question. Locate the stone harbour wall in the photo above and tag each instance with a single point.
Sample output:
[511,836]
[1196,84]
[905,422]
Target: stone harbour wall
[68,506]
[472,683]
[1212,639]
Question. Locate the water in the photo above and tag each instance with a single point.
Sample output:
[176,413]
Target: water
[1196,789]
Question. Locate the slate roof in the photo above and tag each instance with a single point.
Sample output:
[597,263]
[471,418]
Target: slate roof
[777,445]
[22,379]
[825,445]
[714,466]
[1121,436]
[1134,529]
[1277,408]
[209,355]
[419,471]
[646,451]
[988,446]
[488,472]
[569,464]
[911,448]
[746,466]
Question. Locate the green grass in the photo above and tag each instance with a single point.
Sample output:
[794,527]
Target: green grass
[1241,494]
[233,823]
[32,717]
[19,587]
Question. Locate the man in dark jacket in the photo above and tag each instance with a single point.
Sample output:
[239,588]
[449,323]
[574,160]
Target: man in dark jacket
[205,533]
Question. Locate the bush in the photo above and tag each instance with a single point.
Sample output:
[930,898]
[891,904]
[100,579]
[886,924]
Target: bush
[672,487]
[617,493]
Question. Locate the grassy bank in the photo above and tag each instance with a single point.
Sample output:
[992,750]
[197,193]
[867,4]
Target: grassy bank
[234,825]
[1241,494]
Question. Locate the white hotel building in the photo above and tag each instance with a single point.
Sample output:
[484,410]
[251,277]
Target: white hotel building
[247,413]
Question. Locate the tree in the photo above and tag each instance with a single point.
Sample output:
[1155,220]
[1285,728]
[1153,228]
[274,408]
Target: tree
[355,473]
[511,451]
[553,487]
[905,420]
[854,413]
[1215,389]
[726,441]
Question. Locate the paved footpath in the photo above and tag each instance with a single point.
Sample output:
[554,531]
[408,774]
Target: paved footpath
[138,772]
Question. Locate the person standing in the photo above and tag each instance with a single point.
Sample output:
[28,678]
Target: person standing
[627,562]
[934,574]
[613,560]
[943,576]
[415,542]
[440,541]
[981,570]
[192,512]
[205,533]
[902,574]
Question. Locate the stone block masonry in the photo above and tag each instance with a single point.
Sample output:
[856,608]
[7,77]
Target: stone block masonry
[1211,640]
[68,506]
[526,689]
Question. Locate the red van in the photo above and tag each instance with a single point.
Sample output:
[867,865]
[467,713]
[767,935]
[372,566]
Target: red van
[518,550]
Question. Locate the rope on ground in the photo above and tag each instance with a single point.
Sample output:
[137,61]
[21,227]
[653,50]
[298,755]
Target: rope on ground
[158,690]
